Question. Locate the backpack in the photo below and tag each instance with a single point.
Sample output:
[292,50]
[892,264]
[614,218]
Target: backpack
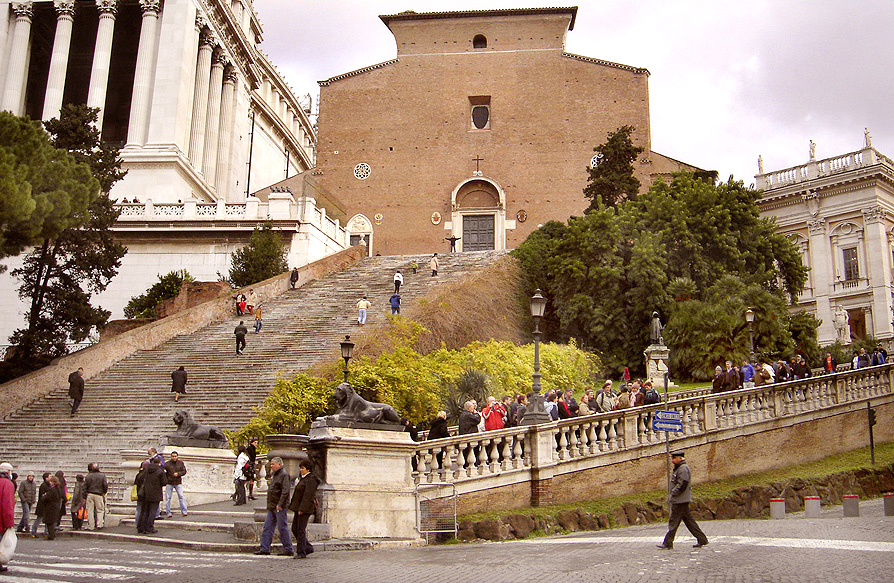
[652,397]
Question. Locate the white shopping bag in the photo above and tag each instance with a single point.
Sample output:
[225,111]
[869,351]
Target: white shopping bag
[8,545]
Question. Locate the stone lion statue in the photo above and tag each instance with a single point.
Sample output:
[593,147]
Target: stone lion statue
[353,407]
[187,427]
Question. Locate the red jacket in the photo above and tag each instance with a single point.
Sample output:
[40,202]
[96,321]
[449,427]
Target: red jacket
[7,504]
[493,417]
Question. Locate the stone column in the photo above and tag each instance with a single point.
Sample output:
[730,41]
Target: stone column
[52,103]
[17,70]
[102,56]
[878,270]
[138,127]
[227,117]
[212,122]
[822,264]
[200,100]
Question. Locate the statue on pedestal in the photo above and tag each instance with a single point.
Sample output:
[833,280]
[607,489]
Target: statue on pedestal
[842,324]
[655,330]
[353,407]
[191,433]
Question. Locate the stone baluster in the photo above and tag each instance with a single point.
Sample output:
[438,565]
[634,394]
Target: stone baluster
[138,127]
[612,437]
[102,56]
[603,435]
[212,119]
[52,103]
[517,450]
[563,444]
[16,72]
[454,461]
[506,452]
[591,438]
[227,119]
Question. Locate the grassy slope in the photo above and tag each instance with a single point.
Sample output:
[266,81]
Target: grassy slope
[852,460]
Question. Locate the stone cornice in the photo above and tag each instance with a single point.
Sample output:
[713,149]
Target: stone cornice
[222,20]
[356,72]
[263,108]
[637,70]
[826,186]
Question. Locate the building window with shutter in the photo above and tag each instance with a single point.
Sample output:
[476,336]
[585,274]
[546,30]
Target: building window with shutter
[851,264]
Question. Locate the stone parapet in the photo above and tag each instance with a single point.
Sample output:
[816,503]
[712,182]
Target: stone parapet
[19,392]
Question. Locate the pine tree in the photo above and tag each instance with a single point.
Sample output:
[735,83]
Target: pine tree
[611,177]
[263,258]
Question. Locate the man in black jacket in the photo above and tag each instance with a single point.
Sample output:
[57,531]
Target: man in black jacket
[150,492]
[277,510]
[240,331]
[303,506]
[468,423]
[41,490]
[96,485]
[174,469]
[679,497]
[76,389]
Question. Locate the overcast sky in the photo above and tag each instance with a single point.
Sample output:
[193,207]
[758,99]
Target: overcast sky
[729,79]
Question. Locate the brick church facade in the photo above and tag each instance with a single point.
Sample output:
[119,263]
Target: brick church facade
[481,128]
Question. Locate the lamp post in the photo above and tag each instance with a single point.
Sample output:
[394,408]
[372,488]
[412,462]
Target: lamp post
[749,317]
[347,350]
[538,307]
[536,410]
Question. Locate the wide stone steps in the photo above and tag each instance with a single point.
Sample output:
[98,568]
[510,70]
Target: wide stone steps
[129,405]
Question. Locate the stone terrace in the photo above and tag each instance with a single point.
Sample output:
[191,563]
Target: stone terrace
[129,405]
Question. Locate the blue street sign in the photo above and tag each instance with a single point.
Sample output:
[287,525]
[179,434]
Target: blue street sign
[664,425]
[669,416]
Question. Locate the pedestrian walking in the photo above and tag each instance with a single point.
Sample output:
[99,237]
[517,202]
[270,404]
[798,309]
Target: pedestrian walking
[252,301]
[7,502]
[76,389]
[258,320]
[414,265]
[679,497]
[303,505]
[252,452]
[240,476]
[178,383]
[433,263]
[398,281]
[362,306]
[240,333]
[174,469]
[293,278]
[96,485]
[395,303]
[38,509]
[277,510]
[27,491]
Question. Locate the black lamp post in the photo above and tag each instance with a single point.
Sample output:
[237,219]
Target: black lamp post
[538,307]
[749,317]
[347,350]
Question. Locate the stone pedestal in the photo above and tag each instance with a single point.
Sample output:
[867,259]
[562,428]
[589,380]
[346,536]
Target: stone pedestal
[657,356]
[209,471]
[851,505]
[812,507]
[368,490]
[777,508]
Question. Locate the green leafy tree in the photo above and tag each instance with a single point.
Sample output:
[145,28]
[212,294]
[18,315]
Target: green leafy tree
[611,179]
[75,256]
[262,258]
[606,272]
[167,286]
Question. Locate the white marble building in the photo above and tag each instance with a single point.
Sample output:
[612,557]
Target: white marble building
[840,213]
[204,121]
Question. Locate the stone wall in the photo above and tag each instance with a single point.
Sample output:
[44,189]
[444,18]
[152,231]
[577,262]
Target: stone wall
[21,391]
[746,502]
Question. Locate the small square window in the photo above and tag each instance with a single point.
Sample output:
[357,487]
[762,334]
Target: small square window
[479,109]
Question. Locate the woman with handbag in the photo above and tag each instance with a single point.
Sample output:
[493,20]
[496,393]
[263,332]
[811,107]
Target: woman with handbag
[78,503]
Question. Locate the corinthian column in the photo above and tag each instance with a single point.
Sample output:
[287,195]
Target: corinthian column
[102,55]
[52,103]
[18,55]
[138,127]
[200,100]
[227,119]
[212,123]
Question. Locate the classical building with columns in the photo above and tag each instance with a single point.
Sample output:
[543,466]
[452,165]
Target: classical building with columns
[204,121]
[200,112]
[840,212]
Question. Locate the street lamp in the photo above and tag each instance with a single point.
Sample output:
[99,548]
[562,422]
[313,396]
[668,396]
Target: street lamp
[749,317]
[538,307]
[536,411]
[347,350]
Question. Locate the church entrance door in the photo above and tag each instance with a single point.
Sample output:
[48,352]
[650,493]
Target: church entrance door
[478,232]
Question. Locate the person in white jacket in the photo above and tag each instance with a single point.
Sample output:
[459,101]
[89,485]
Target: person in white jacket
[240,477]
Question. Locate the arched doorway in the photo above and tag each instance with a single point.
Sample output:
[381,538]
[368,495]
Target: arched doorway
[361,232]
[479,215]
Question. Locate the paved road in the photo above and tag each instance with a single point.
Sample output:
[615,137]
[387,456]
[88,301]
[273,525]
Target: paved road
[794,550]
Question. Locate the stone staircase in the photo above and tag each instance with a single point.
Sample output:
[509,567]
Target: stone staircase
[129,405]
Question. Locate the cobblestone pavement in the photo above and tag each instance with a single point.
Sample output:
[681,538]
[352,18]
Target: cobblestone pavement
[793,550]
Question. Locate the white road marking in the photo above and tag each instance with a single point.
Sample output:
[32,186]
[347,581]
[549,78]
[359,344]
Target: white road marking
[100,567]
[792,543]
[67,574]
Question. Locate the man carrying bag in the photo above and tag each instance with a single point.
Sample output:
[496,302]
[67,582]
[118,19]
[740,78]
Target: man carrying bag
[7,516]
